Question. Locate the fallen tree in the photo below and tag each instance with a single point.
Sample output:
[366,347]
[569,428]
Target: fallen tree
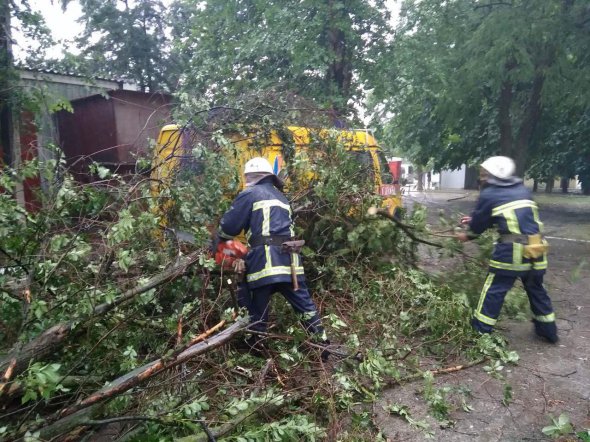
[92,293]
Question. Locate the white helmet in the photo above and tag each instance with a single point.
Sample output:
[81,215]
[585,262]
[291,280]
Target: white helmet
[499,167]
[258,164]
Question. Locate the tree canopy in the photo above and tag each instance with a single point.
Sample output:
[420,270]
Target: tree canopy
[490,78]
[454,82]
[318,50]
[127,40]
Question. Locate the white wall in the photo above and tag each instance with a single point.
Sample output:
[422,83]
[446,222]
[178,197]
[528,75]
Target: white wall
[453,179]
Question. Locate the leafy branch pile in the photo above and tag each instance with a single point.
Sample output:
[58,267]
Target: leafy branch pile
[110,326]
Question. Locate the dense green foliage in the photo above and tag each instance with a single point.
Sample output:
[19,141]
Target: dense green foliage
[92,287]
[317,50]
[72,263]
[492,77]
[127,40]
[505,78]
[451,83]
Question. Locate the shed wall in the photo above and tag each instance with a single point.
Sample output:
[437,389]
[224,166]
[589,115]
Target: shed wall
[139,119]
[89,132]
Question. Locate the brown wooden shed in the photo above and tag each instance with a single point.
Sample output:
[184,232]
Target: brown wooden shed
[111,129]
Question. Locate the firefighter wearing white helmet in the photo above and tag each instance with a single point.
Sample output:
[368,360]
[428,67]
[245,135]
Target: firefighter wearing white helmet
[502,168]
[273,263]
[521,252]
[258,165]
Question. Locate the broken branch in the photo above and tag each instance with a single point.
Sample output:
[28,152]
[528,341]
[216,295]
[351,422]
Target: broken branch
[51,339]
[407,229]
[147,371]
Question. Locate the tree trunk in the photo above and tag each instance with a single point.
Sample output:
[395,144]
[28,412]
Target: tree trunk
[504,121]
[549,185]
[528,125]
[339,71]
[43,345]
[420,177]
[6,123]
[535,185]
[67,424]
[564,184]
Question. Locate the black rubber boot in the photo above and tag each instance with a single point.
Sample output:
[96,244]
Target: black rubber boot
[480,326]
[546,330]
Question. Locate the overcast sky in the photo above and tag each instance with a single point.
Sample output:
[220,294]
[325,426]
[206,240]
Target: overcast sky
[62,24]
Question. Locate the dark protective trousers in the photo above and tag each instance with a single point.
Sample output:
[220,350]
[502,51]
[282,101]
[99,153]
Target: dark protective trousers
[257,302]
[492,298]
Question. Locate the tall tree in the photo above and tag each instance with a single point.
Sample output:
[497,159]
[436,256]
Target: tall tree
[5,82]
[127,39]
[15,13]
[318,50]
[486,74]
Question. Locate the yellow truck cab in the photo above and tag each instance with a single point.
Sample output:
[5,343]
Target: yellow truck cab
[173,144]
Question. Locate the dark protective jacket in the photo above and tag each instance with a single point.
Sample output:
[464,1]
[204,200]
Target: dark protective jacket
[510,208]
[262,211]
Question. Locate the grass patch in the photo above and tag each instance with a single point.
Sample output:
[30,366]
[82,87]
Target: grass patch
[569,201]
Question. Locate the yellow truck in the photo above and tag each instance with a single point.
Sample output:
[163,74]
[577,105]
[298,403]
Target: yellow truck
[174,145]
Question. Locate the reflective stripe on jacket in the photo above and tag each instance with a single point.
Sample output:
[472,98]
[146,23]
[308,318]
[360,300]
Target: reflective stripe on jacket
[512,211]
[262,210]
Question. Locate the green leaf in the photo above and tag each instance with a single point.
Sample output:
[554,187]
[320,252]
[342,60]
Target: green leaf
[242,406]
[30,395]
[563,420]
[102,172]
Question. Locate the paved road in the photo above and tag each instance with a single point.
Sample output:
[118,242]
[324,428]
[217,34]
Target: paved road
[548,380]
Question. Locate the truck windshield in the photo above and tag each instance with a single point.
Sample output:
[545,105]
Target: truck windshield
[191,166]
[365,161]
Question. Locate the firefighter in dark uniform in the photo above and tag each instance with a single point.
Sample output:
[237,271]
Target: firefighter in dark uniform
[521,252]
[263,212]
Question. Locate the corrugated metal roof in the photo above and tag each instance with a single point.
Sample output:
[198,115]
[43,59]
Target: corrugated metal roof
[27,73]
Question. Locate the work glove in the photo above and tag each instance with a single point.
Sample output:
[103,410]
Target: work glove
[239,266]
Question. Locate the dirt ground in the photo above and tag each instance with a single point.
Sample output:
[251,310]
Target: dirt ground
[548,379]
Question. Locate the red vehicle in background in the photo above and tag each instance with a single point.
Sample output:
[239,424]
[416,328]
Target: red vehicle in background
[395,167]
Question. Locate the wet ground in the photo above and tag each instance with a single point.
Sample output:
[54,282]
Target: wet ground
[548,380]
